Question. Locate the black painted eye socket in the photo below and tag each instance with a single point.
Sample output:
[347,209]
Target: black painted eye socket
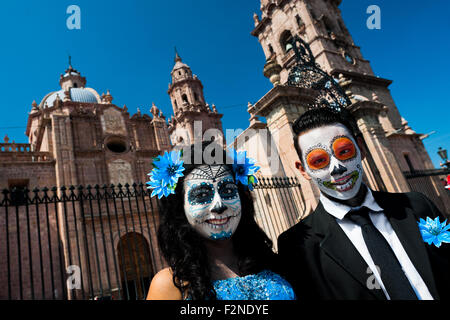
[201,194]
[228,190]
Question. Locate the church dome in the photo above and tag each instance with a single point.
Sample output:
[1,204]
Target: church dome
[71,73]
[86,95]
[179,64]
[73,82]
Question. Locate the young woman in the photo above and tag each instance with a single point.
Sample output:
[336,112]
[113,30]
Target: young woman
[208,235]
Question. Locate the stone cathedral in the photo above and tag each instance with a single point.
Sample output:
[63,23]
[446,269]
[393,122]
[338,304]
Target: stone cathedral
[78,137]
[81,143]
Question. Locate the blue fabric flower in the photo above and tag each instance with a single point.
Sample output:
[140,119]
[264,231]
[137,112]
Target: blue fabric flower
[434,232]
[159,188]
[168,168]
[244,168]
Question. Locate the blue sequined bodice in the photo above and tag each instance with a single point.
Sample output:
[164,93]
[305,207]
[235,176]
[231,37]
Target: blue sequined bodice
[265,285]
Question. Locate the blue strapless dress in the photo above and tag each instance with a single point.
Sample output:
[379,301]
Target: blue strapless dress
[265,285]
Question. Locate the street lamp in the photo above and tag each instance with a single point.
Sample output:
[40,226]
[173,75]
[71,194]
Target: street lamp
[443,154]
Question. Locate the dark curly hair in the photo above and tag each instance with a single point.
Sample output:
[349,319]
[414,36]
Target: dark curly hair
[184,249]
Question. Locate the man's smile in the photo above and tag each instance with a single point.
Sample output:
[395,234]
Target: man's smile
[344,183]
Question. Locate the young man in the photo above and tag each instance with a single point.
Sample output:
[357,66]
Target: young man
[358,243]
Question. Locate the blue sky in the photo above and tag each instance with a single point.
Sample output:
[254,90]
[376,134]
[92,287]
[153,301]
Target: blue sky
[128,48]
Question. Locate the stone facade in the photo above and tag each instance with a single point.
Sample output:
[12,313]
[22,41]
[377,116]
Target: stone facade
[85,139]
[80,138]
[77,137]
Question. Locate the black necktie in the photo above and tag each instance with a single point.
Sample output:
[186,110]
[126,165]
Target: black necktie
[391,272]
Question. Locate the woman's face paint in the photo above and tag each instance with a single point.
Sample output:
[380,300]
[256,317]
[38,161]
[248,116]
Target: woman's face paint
[332,159]
[211,201]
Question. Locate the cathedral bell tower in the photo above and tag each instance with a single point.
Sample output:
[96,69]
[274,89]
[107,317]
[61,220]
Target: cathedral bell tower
[193,118]
[319,23]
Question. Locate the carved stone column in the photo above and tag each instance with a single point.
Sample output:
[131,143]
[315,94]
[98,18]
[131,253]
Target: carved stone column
[366,114]
[281,106]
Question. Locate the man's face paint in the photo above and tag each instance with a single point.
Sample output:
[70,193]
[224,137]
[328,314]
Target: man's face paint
[332,159]
[211,201]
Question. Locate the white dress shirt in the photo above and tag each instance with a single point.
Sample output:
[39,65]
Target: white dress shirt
[379,219]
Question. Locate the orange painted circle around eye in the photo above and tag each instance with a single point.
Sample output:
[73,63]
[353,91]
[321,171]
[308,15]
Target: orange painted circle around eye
[318,159]
[344,148]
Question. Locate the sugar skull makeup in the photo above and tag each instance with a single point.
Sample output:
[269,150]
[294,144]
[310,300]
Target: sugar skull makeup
[332,159]
[211,201]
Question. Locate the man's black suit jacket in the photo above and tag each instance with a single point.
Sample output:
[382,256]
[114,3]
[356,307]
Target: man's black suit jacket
[320,261]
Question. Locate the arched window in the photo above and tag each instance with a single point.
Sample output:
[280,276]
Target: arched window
[328,26]
[286,41]
[271,8]
[271,50]
[185,99]
[342,26]
[349,58]
[299,21]
[195,96]
[135,265]
[408,162]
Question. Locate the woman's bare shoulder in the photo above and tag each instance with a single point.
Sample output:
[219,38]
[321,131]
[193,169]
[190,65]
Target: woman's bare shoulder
[163,288]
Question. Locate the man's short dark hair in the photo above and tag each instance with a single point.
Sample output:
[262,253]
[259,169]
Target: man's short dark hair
[320,117]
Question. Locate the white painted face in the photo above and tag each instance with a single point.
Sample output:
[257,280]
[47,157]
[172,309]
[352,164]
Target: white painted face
[332,159]
[211,201]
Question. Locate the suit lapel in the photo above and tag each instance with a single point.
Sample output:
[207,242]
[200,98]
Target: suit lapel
[338,247]
[403,221]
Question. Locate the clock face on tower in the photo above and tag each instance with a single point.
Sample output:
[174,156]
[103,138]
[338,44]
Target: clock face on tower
[349,58]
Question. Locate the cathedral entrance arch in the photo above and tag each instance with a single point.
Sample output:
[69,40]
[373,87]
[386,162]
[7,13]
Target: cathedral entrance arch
[135,265]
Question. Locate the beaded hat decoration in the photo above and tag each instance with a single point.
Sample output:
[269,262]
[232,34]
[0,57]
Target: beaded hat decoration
[210,172]
[168,168]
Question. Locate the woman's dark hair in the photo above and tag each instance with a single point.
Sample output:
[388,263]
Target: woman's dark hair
[319,117]
[184,249]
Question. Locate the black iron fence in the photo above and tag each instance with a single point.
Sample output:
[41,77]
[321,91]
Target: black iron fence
[99,242]
[279,204]
[78,243]
[432,184]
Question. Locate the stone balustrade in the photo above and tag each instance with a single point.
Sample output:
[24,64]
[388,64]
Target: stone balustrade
[22,152]
[15,147]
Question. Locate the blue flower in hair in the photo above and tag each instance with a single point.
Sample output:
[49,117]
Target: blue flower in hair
[168,168]
[159,188]
[244,168]
[434,232]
